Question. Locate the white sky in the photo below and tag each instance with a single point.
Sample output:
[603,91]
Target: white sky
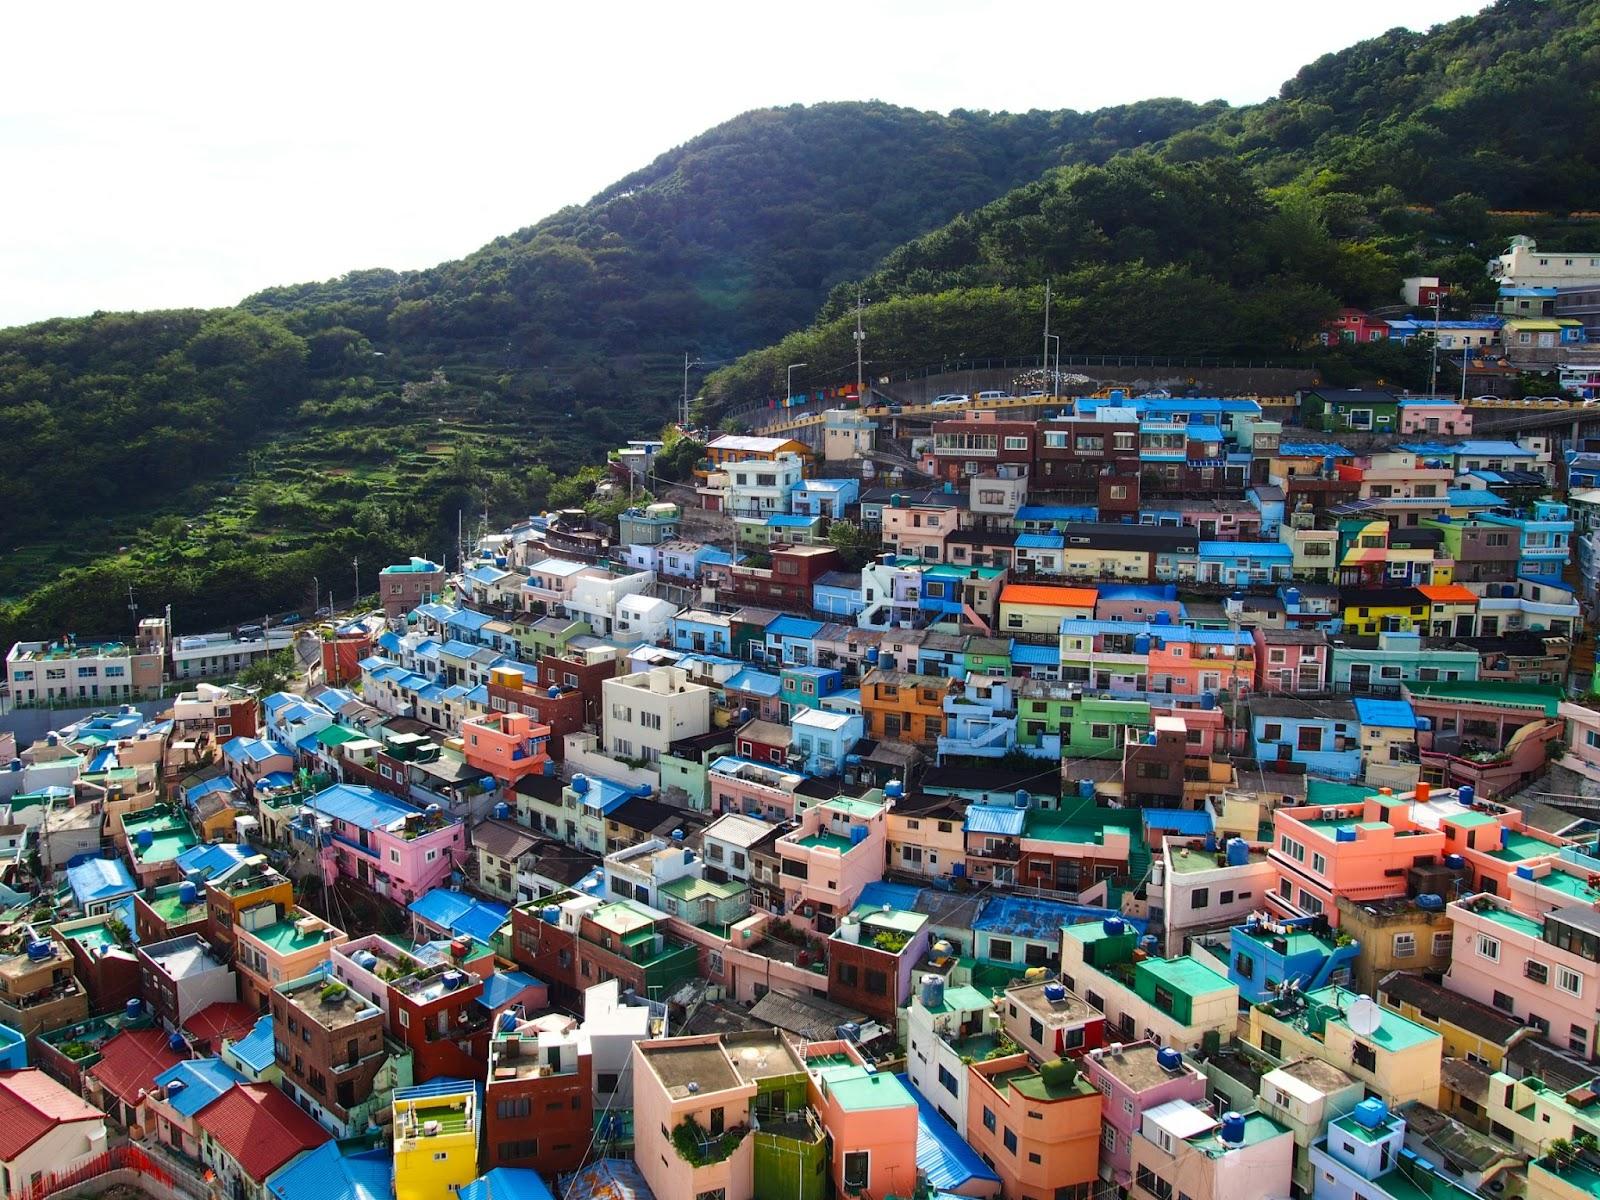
[176,154]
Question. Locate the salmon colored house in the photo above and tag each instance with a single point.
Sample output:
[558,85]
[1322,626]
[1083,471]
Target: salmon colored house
[1038,1126]
[509,746]
[871,1118]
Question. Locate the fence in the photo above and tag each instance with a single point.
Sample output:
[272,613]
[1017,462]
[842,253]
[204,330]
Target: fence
[127,1165]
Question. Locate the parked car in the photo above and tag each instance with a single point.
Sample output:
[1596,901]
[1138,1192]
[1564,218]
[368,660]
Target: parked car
[950,398]
[994,396]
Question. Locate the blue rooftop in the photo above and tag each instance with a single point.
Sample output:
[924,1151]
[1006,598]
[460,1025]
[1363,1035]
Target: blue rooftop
[1137,591]
[1056,512]
[96,879]
[251,749]
[502,987]
[896,895]
[1040,541]
[1182,821]
[1472,497]
[361,806]
[1246,550]
[795,627]
[1024,916]
[948,1162]
[507,1183]
[790,521]
[1027,654]
[200,1081]
[335,1172]
[1000,819]
[603,794]
[217,783]
[1314,450]
[757,683]
[255,1048]
[1387,714]
[460,913]
[213,858]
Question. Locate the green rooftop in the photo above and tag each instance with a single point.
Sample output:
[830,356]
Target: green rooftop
[1185,974]
[687,888]
[621,918]
[1029,1082]
[283,938]
[856,1090]
[962,999]
[1393,1033]
[92,937]
[1570,885]
[1470,820]
[174,911]
[826,841]
[451,1120]
[1300,941]
[1257,1128]
[338,735]
[1512,920]
[850,807]
[1057,827]
[1577,1174]
[896,918]
[1545,697]
[1348,1125]
[1515,847]
[1329,792]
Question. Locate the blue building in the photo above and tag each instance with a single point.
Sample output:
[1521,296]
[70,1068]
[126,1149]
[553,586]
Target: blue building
[806,687]
[824,739]
[791,642]
[698,632]
[1265,956]
[1245,564]
[838,594]
[13,1049]
[347,1171]
[98,883]
[1544,533]
[824,497]
[1322,736]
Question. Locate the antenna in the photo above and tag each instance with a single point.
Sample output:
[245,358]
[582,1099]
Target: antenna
[1364,1016]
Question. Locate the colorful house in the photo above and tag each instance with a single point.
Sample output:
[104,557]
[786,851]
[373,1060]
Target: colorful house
[1176,1000]
[1039,1125]
[390,847]
[1134,1078]
[436,1132]
[1037,610]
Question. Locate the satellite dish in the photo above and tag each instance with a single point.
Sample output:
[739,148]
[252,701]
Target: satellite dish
[1364,1016]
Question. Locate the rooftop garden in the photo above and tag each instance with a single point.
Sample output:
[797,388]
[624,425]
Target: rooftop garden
[701,1149]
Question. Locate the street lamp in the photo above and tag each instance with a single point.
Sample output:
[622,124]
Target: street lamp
[788,382]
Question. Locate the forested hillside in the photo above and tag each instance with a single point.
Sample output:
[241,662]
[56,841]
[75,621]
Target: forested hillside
[1397,156]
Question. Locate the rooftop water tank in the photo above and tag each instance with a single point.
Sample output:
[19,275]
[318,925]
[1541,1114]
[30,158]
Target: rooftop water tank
[551,914]
[1430,902]
[133,1008]
[502,810]
[1232,1128]
[1112,926]
[1238,852]
[858,834]
[1371,1113]
[894,789]
[508,1021]
[39,949]
[1291,598]
[1163,617]
[176,1044]
[580,784]
[1086,789]
[932,991]
[744,715]
[143,838]
[365,959]
[188,893]
[1021,798]
[1055,992]
[452,980]
[1524,872]
[1465,794]
[1141,643]
[553,692]
[1345,833]
[1211,840]
[1454,861]
[1169,1059]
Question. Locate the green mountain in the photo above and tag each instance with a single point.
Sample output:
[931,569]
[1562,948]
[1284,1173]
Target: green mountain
[1397,156]
[217,460]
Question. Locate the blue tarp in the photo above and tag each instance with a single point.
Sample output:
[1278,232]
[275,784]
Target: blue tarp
[332,1173]
[1003,820]
[95,879]
[1386,714]
[460,913]
[1181,821]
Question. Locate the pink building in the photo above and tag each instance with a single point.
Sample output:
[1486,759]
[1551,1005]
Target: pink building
[1137,602]
[1545,971]
[1136,1077]
[388,846]
[755,789]
[509,746]
[1290,661]
[919,529]
[1435,415]
[1191,662]
[838,848]
[1188,1150]
[871,1119]
[692,1083]
[551,582]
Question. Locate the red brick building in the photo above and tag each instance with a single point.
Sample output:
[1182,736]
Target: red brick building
[538,1102]
[330,1050]
[563,708]
[436,1013]
[587,678]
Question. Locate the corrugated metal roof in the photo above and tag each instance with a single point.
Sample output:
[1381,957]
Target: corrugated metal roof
[996,819]
[947,1161]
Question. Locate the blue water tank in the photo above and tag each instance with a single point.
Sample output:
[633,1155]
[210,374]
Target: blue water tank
[858,834]
[1141,643]
[188,893]
[1113,926]
[1238,852]
[1021,798]
[1345,833]
[502,810]
[1465,794]
[932,991]
[580,784]
[508,1021]
[1169,1059]
[1148,943]
[551,914]
[1371,1113]
[1291,598]
[143,838]
[872,654]
[1211,840]
[553,692]
[849,1032]
[40,949]
[1524,872]
[1163,617]
[894,789]
[452,980]
[1055,992]
[1455,862]
[1233,1128]
[744,715]
[176,1044]
[1208,700]
[644,790]
[1430,902]
[133,1008]
[958,870]
[1086,789]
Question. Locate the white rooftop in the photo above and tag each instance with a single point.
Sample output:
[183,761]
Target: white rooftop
[1181,1118]
[737,829]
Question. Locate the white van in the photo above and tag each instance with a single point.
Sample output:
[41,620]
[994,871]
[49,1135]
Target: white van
[993,396]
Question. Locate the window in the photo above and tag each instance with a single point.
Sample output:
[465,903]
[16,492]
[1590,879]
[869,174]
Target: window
[606,1082]
[1569,981]
[1405,945]
[1309,738]
[1319,864]
[1009,1138]
[1000,949]
[857,1169]
[1536,971]
[1036,1029]
[1016,443]
[1200,898]
[1441,945]
[947,1081]
[1504,1002]
[1153,1184]
[1488,947]
[1364,1056]
[988,1119]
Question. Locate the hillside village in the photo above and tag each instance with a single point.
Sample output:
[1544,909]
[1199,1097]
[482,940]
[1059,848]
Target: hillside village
[1027,796]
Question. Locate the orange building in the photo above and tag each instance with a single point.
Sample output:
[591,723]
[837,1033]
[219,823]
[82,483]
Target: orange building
[906,707]
[510,746]
[1037,1126]
[735,447]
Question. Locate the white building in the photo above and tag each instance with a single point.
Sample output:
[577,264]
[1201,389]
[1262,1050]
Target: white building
[643,619]
[639,872]
[1524,265]
[595,598]
[221,655]
[642,714]
[1199,896]
[183,976]
[760,487]
[51,1129]
[943,1024]
[725,845]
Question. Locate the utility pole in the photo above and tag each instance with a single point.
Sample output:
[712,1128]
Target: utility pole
[683,410]
[1464,353]
[1433,372]
[316,597]
[133,609]
[861,394]
[1044,363]
[355,563]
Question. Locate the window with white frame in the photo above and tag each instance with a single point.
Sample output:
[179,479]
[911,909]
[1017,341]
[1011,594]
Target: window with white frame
[1569,981]
[1488,947]
[1405,945]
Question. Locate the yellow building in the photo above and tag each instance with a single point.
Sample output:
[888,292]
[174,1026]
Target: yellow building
[1471,1030]
[1394,935]
[1315,550]
[1039,609]
[435,1140]
[1380,609]
[1397,1058]
[1536,1115]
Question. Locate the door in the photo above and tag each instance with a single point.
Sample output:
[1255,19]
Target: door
[1360,676]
